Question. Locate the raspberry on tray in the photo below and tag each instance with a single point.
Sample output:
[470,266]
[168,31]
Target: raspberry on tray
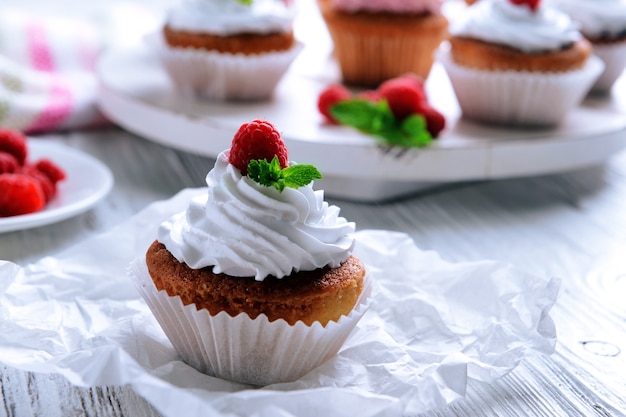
[397,113]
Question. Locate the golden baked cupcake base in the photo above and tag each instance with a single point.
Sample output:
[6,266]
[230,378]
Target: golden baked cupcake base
[245,43]
[473,53]
[321,296]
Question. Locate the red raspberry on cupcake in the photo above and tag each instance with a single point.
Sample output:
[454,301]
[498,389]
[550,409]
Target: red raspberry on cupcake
[255,140]
[532,4]
[258,151]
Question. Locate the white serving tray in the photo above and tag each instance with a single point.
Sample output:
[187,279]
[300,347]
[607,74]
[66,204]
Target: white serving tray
[136,93]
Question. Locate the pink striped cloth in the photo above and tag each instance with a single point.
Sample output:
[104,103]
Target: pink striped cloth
[47,67]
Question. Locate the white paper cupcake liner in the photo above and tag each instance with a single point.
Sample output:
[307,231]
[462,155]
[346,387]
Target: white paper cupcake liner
[223,76]
[614,57]
[241,349]
[519,98]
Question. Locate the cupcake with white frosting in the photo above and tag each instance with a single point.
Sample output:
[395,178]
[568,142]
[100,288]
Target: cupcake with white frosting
[603,23]
[255,281]
[220,49]
[516,62]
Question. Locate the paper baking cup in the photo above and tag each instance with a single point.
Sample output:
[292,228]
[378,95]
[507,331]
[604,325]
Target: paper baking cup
[519,97]
[241,349]
[369,59]
[371,51]
[614,57]
[223,76]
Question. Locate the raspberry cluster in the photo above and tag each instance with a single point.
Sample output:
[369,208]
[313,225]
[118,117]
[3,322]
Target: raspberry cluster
[405,96]
[25,186]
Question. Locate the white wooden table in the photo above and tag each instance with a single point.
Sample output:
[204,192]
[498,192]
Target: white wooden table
[571,225]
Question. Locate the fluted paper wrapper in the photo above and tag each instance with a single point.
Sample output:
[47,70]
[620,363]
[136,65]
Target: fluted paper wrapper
[368,59]
[519,97]
[369,53]
[223,76]
[241,349]
[614,57]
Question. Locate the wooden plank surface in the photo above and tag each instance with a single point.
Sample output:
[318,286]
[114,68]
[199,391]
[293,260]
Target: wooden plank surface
[571,225]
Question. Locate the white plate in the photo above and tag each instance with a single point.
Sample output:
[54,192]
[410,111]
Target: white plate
[88,180]
[136,93]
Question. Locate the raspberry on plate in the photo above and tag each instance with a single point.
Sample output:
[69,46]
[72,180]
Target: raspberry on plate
[25,186]
[47,185]
[51,170]
[21,194]
[14,142]
[257,139]
[8,163]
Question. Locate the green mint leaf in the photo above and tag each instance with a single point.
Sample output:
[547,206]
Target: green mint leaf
[265,173]
[414,127]
[245,2]
[297,176]
[363,115]
[270,174]
[378,120]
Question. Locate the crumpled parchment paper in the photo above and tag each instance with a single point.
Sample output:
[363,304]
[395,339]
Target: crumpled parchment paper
[432,326]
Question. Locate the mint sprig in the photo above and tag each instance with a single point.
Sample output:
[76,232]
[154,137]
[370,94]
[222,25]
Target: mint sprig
[377,119]
[245,2]
[270,174]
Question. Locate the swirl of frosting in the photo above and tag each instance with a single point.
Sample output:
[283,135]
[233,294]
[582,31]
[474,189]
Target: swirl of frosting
[242,228]
[517,26]
[597,18]
[230,17]
[393,6]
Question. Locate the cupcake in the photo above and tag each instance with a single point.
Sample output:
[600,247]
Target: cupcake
[518,62]
[255,281]
[603,23]
[219,49]
[375,40]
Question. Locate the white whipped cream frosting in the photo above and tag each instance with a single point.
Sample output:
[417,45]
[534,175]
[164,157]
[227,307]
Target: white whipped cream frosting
[597,18]
[230,17]
[244,229]
[516,26]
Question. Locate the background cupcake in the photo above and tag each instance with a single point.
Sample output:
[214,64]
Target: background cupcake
[376,40]
[603,23]
[222,49]
[516,62]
